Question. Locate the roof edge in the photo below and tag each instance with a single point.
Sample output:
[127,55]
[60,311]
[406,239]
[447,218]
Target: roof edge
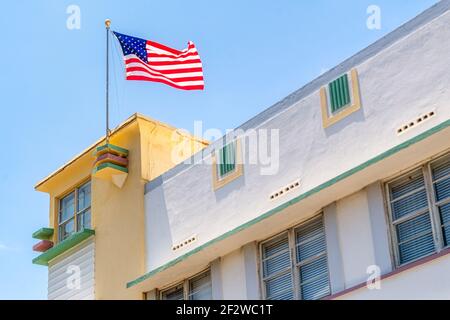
[399,33]
[134,117]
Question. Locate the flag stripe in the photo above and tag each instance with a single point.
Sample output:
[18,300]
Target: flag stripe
[189,87]
[177,78]
[130,59]
[138,70]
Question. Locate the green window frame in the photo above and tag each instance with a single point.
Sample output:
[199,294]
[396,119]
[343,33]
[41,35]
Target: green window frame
[339,92]
[227,159]
[74,212]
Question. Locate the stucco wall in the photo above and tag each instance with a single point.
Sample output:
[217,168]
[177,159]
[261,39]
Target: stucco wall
[428,281]
[398,82]
[233,275]
[355,237]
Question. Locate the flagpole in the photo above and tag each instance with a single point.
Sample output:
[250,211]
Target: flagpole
[107,25]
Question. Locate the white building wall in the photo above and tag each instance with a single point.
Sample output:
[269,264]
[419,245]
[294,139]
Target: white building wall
[355,237]
[232,268]
[402,81]
[63,270]
[428,281]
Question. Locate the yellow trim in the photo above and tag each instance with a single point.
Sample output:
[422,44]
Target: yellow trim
[327,119]
[39,186]
[238,171]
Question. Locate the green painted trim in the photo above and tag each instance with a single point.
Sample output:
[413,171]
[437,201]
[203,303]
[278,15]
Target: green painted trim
[109,165]
[43,234]
[283,206]
[109,146]
[63,246]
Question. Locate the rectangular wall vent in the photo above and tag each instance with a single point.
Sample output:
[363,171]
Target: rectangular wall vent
[415,122]
[286,189]
[184,243]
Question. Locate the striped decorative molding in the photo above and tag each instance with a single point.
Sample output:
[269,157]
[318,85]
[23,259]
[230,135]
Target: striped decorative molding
[111,163]
[63,246]
[45,235]
[43,245]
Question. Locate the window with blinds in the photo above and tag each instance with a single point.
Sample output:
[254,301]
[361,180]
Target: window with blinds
[196,288]
[175,293]
[414,210]
[411,217]
[277,269]
[304,278]
[311,259]
[441,185]
[200,287]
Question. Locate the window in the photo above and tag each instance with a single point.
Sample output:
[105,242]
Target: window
[196,288]
[74,211]
[294,264]
[339,93]
[440,173]
[417,202]
[227,159]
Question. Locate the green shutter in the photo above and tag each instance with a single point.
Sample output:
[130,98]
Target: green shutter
[227,159]
[339,93]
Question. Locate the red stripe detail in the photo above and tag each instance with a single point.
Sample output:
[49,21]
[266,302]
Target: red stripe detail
[172,63]
[195,78]
[171,71]
[160,55]
[163,47]
[142,78]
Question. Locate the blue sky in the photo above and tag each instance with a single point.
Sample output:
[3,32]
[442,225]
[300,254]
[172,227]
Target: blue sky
[254,53]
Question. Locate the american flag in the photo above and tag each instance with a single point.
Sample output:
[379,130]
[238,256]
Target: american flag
[150,61]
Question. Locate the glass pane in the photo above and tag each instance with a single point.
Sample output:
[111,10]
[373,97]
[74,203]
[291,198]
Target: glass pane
[442,189]
[66,207]
[311,248]
[200,287]
[280,288]
[84,220]
[66,229]
[310,239]
[412,228]
[406,184]
[309,230]
[84,196]
[173,294]
[416,248]
[444,213]
[277,263]
[275,246]
[316,289]
[441,168]
[409,204]
[313,269]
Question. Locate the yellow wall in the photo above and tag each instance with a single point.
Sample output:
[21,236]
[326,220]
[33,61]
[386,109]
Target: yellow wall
[118,214]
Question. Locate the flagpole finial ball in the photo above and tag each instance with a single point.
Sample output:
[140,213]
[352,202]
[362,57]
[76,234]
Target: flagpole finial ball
[107,23]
